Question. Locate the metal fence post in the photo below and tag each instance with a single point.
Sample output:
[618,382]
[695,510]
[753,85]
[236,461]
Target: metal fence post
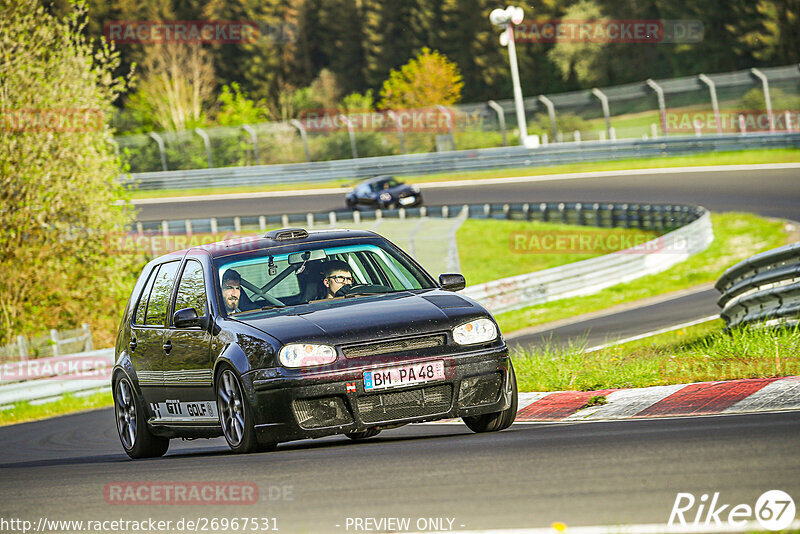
[450,124]
[253,139]
[400,133]
[87,331]
[551,111]
[303,135]
[351,132]
[501,118]
[207,142]
[714,104]
[54,339]
[22,345]
[661,104]
[765,86]
[160,142]
[606,112]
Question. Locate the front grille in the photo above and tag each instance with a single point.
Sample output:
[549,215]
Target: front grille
[405,404]
[321,412]
[394,345]
[480,390]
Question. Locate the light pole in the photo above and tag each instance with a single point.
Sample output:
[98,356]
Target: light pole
[506,19]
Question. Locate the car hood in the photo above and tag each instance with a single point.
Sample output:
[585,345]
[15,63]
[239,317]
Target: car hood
[368,318]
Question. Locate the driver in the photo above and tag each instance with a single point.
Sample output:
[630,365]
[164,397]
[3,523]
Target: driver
[231,290]
[335,275]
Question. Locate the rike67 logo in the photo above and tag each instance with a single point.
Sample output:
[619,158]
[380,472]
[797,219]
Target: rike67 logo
[774,510]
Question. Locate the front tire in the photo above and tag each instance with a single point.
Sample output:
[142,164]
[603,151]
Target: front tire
[235,414]
[494,422]
[136,438]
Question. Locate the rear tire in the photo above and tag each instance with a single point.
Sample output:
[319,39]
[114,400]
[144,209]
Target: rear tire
[136,438]
[494,422]
[363,434]
[235,415]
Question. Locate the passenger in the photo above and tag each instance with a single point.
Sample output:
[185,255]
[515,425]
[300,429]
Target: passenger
[335,275]
[231,290]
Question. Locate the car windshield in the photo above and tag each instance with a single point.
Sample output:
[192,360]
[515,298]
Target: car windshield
[385,184]
[291,279]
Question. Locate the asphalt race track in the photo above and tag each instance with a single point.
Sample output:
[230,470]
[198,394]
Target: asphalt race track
[631,322]
[443,475]
[527,476]
[774,193]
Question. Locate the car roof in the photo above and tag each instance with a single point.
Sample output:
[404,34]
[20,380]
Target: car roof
[381,178]
[251,243]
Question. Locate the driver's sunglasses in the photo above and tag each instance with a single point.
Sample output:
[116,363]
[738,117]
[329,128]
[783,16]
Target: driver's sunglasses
[341,279]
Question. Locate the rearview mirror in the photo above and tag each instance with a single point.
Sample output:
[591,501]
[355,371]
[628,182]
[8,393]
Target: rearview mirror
[452,281]
[186,318]
[308,255]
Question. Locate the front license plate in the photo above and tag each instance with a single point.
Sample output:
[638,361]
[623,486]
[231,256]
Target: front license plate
[402,375]
[407,200]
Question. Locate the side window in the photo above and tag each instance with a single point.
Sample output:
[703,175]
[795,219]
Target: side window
[159,296]
[142,306]
[192,289]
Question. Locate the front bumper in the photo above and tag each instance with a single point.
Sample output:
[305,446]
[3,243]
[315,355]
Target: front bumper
[335,402]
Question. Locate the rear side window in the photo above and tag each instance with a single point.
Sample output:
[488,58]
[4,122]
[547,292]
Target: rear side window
[159,296]
[141,308]
[192,289]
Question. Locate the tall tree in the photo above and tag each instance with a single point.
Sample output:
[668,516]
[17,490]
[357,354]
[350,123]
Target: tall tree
[58,175]
[393,35]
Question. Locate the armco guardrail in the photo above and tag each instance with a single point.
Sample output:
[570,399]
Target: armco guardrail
[592,275]
[762,289]
[455,161]
[43,378]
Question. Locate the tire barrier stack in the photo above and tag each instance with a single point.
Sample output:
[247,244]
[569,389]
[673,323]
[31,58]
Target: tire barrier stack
[763,289]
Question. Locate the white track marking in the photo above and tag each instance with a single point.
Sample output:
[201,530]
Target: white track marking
[652,333]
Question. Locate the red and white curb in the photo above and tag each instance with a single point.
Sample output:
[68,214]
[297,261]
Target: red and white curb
[703,398]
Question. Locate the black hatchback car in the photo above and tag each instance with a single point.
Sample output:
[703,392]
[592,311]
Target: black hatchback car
[247,339]
[383,192]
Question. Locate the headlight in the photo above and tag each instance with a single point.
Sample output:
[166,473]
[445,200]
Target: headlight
[386,197]
[477,331]
[306,355]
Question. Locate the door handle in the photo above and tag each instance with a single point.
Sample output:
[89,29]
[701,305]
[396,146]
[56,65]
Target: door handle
[132,344]
[167,346]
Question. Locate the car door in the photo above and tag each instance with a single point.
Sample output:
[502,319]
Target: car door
[187,364]
[147,333]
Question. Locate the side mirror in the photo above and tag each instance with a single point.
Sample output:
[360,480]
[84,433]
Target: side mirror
[186,318]
[452,281]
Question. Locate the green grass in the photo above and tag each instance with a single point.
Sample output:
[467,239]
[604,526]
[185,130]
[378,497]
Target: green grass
[488,249]
[25,411]
[696,354]
[737,236]
[717,158]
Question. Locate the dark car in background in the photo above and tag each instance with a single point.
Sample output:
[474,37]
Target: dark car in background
[286,359]
[383,192]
